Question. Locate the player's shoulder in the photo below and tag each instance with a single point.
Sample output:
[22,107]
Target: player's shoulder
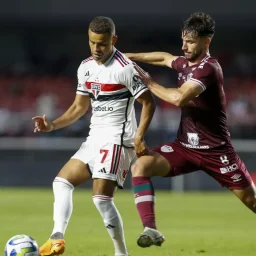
[86,62]
[209,63]
[121,62]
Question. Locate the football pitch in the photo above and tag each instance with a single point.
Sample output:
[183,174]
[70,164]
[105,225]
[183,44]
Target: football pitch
[205,224]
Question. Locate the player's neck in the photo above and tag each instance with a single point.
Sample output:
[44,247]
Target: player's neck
[199,59]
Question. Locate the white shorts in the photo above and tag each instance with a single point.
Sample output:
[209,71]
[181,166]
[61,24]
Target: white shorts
[106,160]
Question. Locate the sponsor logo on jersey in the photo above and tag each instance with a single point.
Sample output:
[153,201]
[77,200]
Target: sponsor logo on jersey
[230,168]
[96,88]
[195,147]
[166,149]
[193,139]
[104,108]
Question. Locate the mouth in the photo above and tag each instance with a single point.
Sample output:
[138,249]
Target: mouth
[97,55]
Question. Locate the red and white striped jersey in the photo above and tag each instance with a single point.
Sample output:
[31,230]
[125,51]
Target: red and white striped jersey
[112,88]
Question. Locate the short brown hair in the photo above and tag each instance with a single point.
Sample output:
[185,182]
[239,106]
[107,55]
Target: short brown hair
[199,24]
[102,25]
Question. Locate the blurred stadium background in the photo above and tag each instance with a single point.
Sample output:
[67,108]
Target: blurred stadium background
[41,46]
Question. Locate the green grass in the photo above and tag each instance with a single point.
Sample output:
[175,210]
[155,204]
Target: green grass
[202,224]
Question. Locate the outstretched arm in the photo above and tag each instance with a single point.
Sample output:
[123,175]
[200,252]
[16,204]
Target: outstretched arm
[75,111]
[176,96]
[154,58]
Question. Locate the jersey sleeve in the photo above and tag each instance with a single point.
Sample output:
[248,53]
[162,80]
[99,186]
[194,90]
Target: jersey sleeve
[178,63]
[81,87]
[203,75]
[130,78]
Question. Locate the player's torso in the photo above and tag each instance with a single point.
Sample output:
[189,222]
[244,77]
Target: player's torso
[111,101]
[203,120]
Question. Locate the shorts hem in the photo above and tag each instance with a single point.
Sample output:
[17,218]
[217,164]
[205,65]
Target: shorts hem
[107,178]
[241,187]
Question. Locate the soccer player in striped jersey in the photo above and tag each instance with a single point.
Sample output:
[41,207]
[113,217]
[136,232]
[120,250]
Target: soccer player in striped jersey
[109,83]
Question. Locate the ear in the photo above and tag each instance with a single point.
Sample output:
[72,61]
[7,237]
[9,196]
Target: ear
[114,40]
[207,41]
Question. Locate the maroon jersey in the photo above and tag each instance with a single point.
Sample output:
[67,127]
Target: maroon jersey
[203,122]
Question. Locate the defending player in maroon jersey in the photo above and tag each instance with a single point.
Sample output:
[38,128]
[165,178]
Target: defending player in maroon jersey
[203,141]
[197,130]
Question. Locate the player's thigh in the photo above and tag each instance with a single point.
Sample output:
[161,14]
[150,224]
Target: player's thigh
[168,160]
[247,196]
[104,187]
[111,163]
[225,166]
[153,164]
[75,171]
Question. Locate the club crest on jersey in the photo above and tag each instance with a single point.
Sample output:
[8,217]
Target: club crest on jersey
[193,139]
[96,88]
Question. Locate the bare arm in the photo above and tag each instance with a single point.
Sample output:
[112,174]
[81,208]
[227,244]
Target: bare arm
[75,111]
[178,97]
[148,109]
[154,58]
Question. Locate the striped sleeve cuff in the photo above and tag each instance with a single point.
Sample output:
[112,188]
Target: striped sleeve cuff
[82,92]
[198,82]
[137,94]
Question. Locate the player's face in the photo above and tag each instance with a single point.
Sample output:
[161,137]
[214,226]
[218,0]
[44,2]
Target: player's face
[193,46]
[101,45]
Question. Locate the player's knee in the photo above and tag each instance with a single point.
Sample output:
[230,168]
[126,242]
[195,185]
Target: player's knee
[253,205]
[61,183]
[250,202]
[138,169]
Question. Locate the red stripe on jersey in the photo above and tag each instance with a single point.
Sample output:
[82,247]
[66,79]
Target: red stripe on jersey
[119,61]
[106,87]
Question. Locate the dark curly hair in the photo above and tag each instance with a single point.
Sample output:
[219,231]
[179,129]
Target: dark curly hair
[102,25]
[199,24]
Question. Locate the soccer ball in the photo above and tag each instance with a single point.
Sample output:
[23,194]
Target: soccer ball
[21,245]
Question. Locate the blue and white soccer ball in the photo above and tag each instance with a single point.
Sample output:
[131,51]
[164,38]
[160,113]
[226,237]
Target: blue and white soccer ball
[21,245]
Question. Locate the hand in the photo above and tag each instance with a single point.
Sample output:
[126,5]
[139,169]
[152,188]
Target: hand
[140,147]
[42,124]
[143,75]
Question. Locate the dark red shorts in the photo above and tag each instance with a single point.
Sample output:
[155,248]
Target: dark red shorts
[222,163]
